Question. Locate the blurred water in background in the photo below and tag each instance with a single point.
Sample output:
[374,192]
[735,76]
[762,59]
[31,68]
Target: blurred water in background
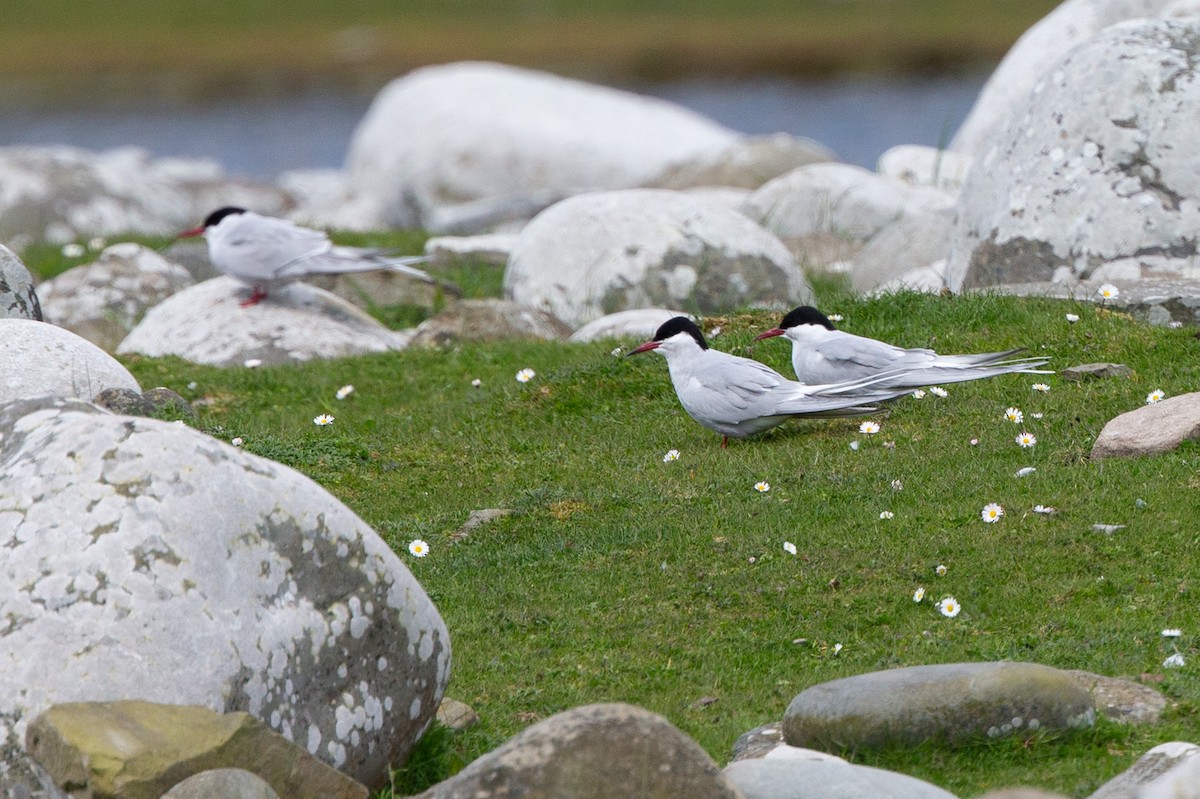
[259,137]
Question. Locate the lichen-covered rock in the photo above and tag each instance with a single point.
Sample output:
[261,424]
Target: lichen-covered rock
[950,702]
[590,752]
[41,360]
[1092,176]
[142,750]
[1157,762]
[104,300]
[918,165]
[902,253]
[1069,24]
[487,320]
[17,296]
[746,164]
[205,323]
[605,252]
[448,136]
[59,194]
[146,560]
[226,783]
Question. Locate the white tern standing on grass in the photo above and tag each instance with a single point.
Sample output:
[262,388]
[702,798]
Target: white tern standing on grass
[740,397]
[263,251]
[823,354]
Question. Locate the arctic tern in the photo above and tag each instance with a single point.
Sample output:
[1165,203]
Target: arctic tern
[739,397]
[263,251]
[823,354]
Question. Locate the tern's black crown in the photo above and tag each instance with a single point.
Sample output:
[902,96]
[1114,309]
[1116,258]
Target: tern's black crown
[219,214]
[805,315]
[677,325]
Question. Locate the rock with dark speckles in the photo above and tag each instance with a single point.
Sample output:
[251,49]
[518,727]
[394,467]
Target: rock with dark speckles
[17,297]
[146,560]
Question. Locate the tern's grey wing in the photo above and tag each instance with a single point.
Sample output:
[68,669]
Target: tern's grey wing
[851,354]
[262,248]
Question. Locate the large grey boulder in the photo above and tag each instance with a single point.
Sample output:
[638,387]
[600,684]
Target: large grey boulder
[590,752]
[1160,301]
[445,137]
[1092,176]
[59,194]
[104,300]
[918,165]
[146,560]
[639,323]
[811,778]
[605,252]
[811,206]
[17,296]
[205,323]
[904,253]
[948,702]
[1150,429]
[41,360]
[1071,23]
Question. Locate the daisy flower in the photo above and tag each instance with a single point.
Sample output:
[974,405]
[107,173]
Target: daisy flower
[1026,440]
[762,486]
[1072,318]
[97,243]
[838,648]
[887,514]
[1108,292]
[992,512]
[237,441]
[525,375]
[1155,396]
[1174,661]
[476,383]
[252,363]
[919,394]
[949,607]
[1036,415]
[897,485]
[854,445]
[919,594]
[974,442]
[1172,632]
[72,250]
[868,428]
[789,547]
[1044,509]
[938,391]
[1042,387]
[418,548]
[616,352]
[834,317]
[940,570]
[672,455]
[1025,471]
[323,420]
[344,392]
[1014,415]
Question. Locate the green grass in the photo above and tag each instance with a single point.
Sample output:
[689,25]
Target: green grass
[623,578]
[218,46]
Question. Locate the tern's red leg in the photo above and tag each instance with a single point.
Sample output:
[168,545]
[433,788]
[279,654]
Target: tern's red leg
[258,295]
[724,442]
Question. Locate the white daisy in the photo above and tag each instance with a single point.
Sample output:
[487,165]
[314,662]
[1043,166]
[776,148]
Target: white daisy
[1072,318]
[525,375]
[672,455]
[476,383]
[897,485]
[1172,632]
[992,512]
[919,394]
[938,391]
[1026,440]
[72,250]
[887,514]
[418,548]
[1014,415]
[837,648]
[762,486]
[789,547]
[1108,292]
[616,352]
[1042,387]
[919,594]
[1025,471]
[1044,509]
[949,607]
[252,363]
[869,428]
[1174,661]
[835,317]
[1154,396]
[237,441]
[854,445]
[940,570]
[323,420]
[344,392]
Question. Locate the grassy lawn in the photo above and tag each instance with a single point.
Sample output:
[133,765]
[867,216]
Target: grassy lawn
[221,44]
[621,577]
